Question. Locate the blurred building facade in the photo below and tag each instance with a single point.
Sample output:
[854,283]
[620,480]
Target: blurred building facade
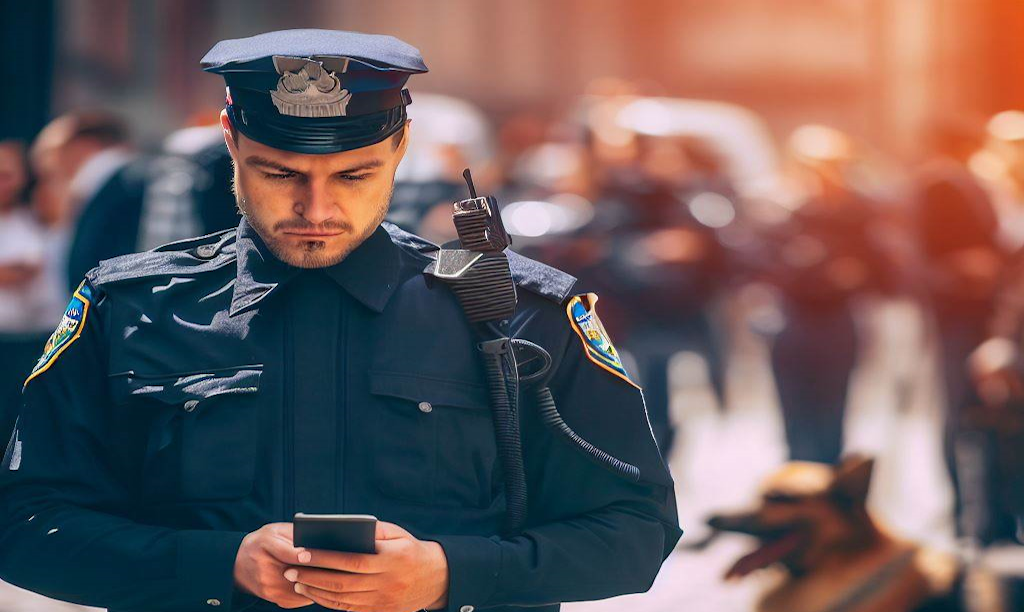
[903,75]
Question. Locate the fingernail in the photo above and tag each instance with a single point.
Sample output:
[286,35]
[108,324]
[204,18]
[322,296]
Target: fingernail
[299,587]
[304,557]
[291,575]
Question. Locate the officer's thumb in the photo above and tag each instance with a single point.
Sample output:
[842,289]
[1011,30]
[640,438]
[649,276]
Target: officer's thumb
[390,531]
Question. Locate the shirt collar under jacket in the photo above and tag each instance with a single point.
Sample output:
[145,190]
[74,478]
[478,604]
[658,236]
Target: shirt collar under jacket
[370,273]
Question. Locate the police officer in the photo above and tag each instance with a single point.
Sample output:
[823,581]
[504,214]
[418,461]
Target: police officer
[196,396]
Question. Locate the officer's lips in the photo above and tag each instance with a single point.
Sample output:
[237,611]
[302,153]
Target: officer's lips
[309,234]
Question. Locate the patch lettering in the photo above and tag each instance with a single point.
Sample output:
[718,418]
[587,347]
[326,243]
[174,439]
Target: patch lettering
[68,330]
[596,343]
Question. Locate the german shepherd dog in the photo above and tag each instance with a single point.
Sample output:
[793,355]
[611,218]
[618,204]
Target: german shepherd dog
[813,521]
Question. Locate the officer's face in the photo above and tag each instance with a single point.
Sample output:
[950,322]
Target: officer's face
[313,210]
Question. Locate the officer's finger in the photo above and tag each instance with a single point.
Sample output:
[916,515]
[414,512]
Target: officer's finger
[347,562]
[283,550]
[293,600]
[352,602]
[333,580]
[390,531]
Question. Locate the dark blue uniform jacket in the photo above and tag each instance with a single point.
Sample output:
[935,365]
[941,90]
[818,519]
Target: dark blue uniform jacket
[214,389]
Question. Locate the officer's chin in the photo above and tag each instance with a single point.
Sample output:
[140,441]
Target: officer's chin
[313,253]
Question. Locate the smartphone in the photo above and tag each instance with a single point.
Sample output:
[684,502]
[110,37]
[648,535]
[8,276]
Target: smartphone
[340,532]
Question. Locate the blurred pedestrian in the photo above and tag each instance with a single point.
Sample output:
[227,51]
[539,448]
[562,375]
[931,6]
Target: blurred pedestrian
[668,267]
[958,234]
[22,253]
[823,259]
[1000,166]
[641,246]
[188,188]
[92,164]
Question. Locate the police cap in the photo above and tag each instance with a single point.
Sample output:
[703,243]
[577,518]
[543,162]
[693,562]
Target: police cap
[316,91]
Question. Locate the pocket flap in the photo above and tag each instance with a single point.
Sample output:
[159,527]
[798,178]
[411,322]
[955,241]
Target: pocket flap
[183,387]
[419,388]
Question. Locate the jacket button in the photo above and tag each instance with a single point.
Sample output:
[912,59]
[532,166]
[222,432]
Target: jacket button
[190,405]
[206,251]
[426,407]
[213,602]
[466,609]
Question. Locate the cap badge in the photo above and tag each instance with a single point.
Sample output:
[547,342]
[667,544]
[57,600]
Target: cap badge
[308,89]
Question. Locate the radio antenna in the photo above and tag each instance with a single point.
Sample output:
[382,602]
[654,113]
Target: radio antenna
[469,181]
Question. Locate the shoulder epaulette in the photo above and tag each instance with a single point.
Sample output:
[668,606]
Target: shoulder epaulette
[183,257]
[410,241]
[542,279]
[191,243]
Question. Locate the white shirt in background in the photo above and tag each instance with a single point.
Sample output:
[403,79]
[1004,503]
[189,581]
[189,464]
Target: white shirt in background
[95,172]
[49,289]
[21,242]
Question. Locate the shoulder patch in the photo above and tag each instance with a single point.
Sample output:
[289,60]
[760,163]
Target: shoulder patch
[596,343]
[68,330]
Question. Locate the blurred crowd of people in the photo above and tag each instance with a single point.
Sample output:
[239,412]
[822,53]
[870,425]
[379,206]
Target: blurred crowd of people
[683,215]
[688,220]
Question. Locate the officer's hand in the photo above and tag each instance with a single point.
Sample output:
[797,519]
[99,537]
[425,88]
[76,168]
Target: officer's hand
[405,575]
[261,561]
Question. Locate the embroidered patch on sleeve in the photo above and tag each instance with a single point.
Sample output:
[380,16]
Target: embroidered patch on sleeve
[68,330]
[596,342]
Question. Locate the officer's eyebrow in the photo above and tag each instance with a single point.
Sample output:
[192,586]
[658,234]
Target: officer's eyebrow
[366,165]
[256,160]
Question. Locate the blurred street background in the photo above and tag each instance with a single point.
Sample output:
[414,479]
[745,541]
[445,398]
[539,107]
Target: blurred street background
[804,219]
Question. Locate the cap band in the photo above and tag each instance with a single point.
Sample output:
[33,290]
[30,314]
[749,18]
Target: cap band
[316,135]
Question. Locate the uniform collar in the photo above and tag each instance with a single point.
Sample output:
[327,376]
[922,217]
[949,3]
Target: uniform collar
[369,273]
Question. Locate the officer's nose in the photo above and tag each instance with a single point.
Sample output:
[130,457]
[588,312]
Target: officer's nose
[317,205]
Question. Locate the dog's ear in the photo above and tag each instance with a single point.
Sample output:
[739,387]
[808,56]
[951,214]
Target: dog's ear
[852,479]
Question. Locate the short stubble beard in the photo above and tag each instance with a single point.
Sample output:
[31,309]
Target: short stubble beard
[310,254]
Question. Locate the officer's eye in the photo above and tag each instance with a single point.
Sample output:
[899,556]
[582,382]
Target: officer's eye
[353,177]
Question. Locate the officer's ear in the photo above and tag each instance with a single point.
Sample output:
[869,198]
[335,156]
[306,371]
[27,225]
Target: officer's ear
[230,134]
[403,143]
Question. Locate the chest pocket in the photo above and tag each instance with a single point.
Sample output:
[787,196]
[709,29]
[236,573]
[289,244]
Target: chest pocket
[434,441]
[203,431]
